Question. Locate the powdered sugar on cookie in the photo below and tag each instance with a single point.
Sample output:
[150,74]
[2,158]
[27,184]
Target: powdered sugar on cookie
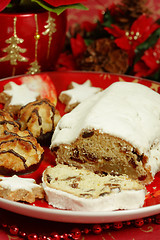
[77,93]
[20,189]
[20,94]
[14,183]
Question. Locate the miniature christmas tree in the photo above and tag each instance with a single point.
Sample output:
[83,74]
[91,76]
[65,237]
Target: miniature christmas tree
[13,49]
[50,29]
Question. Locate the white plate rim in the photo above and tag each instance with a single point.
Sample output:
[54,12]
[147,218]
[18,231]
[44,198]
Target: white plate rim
[68,216]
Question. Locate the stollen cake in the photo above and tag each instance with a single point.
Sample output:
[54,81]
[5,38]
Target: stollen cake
[82,190]
[116,131]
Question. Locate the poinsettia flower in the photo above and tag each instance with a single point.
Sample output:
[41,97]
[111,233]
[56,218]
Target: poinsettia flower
[56,6]
[78,45]
[150,61]
[140,30]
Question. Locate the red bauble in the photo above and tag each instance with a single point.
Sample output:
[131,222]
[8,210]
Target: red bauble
[139,222]
[32,236]
[118,225]
[55,236]
[97,229]
[76,234]
[13,230]
[157,219]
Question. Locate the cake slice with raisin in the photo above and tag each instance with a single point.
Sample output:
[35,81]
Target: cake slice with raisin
[82,190]
[116,131]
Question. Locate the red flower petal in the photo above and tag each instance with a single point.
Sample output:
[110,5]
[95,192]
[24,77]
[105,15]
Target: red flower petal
[123,43]
[3,4]
[78,45]
[115,31]
[57,3]
[140,69]
[66,62]
[144,26]
[150,60]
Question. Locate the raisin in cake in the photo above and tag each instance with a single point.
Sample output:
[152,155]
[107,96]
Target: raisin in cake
[79,189]
[116,131]
[20,189]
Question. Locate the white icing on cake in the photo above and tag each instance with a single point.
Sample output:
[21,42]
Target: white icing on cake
[14,183]
[21,94]
[130,111]
[129,199]
[80,92]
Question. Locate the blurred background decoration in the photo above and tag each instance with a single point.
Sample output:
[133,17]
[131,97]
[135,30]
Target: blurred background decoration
[121,37]
[32,34]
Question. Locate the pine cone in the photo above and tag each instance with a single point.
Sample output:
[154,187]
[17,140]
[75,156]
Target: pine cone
[103,55]
[129,12]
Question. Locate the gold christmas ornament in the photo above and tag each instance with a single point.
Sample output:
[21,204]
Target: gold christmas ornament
[13,49]
[50,29]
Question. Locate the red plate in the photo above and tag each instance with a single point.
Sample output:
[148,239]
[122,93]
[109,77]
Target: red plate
[60,81]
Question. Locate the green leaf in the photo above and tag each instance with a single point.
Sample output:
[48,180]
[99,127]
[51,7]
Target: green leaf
[107,19]
[59,10]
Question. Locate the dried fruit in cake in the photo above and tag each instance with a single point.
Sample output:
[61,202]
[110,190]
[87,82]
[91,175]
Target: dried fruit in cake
[40,118]
[71,188]
[116,131]
[77,93]
[20,189]
[27,89]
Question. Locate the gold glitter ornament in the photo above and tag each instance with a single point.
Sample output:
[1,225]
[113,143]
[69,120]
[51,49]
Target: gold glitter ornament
[13,50]
[50,29]
[34,68]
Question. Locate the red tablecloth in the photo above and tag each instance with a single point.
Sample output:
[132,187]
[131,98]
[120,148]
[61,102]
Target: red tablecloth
[147,232]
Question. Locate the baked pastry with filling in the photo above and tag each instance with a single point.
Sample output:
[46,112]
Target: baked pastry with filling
[116,131]
[82,190]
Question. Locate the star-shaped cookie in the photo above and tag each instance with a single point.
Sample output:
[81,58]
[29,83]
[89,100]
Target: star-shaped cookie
[15,96]
[76,93]
[20,94]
